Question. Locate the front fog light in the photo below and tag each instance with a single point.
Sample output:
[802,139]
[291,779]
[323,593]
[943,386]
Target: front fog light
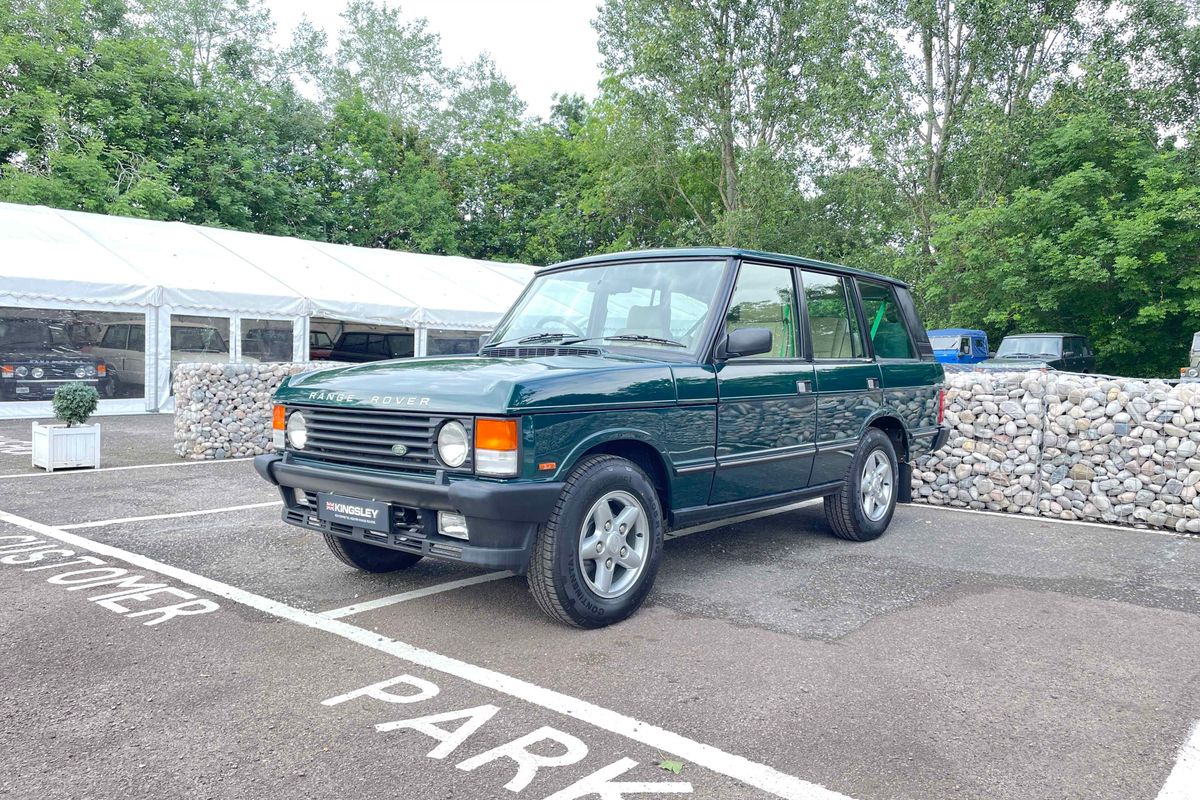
[452,525]
[297,430]
[452,444]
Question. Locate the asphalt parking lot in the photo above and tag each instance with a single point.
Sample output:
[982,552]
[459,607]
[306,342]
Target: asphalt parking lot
[166,635]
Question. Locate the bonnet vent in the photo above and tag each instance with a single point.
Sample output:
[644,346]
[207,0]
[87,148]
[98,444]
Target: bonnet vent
[539,352]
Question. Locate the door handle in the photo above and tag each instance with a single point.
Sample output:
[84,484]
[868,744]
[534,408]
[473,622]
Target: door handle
[803,387]
[872,383]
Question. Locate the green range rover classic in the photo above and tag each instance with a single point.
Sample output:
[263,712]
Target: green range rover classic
[621,397]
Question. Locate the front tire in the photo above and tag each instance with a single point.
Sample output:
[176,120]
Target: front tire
[862,509]
[595,559]
[368,557]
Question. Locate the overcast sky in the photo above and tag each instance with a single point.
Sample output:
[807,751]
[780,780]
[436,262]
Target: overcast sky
[542,46]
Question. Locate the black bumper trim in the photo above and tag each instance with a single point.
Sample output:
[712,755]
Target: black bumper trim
[502,518]
[515,502]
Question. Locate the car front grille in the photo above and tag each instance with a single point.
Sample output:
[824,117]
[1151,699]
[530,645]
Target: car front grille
[366,437]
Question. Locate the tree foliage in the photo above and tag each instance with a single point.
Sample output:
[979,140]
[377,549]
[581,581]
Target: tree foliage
[1026,164]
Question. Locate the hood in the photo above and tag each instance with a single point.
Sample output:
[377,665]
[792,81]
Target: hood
[1017,364]
[481,385]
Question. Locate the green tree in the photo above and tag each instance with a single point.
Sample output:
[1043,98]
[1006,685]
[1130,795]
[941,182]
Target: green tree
[396,65]
[383,184]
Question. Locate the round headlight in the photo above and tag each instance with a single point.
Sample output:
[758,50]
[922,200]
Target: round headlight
[1194,373]
[297,430]
[81,372]
[452,444]
[37,372]
[22,371]
[91,371]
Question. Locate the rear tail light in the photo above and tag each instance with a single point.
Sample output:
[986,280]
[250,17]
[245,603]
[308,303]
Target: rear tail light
[496,447]
[941,405]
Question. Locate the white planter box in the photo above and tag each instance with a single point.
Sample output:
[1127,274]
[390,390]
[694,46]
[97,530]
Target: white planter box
[56,446]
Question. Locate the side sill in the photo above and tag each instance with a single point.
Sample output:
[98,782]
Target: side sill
[698,515]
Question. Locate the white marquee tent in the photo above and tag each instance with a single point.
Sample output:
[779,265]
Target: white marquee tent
[94,273]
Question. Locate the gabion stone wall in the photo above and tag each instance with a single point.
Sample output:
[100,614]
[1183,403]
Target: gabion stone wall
[1066,446]
[224,410]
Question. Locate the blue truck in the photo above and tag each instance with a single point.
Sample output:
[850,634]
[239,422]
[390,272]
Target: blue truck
[959,345]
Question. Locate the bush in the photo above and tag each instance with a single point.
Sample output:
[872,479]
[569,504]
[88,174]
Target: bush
[75,402]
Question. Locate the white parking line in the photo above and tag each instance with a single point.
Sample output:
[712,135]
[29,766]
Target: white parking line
[1184,781]
[131,466]
[752,773]
[371,605]
[102,522]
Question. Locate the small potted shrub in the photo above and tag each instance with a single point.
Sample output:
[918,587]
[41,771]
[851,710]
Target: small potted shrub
[70,442]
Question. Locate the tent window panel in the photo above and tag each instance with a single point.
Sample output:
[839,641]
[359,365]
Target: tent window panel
[199,340]
[266,340]
[42,348]
[452,343]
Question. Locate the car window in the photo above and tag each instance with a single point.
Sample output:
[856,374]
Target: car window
[1026,346]
[400,345]
[377,344]
[137,337]
[763,297]
[832,322]
[885,325]
[354,343]
[115,337]
[319,339]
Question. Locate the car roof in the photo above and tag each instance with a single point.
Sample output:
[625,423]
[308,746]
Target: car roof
[955,332]
[718,252]
[1025,335]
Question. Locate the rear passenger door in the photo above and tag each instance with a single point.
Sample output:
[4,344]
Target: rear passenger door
[847,380]
[766,417]
[910,384]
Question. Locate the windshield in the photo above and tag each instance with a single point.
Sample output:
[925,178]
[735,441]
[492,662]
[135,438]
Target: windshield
[203,340]
[23,333]
[1028,346]
[944,342]
[664,304]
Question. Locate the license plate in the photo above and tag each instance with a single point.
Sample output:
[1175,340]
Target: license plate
[369,514]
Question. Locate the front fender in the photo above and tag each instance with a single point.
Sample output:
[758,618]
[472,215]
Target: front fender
[605,436]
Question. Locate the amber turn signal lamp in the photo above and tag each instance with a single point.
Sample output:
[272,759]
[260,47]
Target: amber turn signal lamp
[279,418]
[496,434]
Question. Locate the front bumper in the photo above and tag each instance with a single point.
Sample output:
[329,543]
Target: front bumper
[42,388]
[502,518]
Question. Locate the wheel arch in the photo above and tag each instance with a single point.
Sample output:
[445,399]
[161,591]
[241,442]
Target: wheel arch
[897,431]
[634,446]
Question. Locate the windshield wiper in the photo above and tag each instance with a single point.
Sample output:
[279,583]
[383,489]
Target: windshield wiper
[533,337]
[630,337]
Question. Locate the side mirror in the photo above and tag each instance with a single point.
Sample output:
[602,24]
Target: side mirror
[745,342]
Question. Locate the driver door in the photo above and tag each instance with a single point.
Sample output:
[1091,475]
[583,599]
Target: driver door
[767,412]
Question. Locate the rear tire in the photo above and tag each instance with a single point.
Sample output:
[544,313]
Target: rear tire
[862,509]
[368,557]
[595,559]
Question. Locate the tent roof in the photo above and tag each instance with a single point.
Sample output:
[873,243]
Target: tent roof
[74,257]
